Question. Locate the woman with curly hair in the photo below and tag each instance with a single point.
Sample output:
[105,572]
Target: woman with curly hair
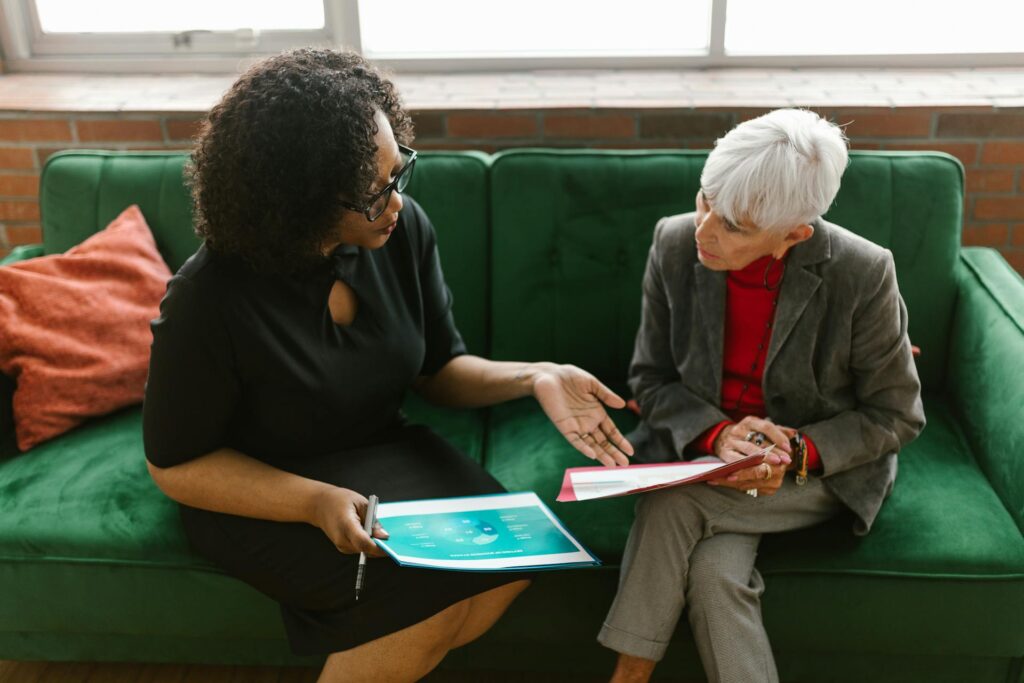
[283,351]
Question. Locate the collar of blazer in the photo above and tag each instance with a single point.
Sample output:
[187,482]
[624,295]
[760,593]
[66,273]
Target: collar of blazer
[798,287]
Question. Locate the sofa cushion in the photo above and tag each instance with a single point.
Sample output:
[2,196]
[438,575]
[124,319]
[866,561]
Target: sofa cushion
[89,545]
[571,230]
[452,188]
[8,445]
[74,328]
[81,191]
[942,543]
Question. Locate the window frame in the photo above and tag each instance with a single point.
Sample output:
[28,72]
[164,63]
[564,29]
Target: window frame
[27,49]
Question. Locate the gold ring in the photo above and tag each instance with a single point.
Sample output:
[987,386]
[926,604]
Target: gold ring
[767,469]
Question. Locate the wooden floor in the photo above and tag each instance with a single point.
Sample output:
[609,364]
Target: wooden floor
[53,672]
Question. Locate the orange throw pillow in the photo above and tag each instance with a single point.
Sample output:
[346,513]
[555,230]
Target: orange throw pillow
[74,328]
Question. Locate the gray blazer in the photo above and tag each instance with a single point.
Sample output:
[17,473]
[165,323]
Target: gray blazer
[839,366]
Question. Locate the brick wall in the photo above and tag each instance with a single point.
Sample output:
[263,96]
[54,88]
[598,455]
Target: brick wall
[988,141]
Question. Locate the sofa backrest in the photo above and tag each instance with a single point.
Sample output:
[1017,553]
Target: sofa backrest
[571,230]
[82,191]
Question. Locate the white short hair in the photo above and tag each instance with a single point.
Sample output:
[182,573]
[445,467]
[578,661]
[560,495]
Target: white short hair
[777,171]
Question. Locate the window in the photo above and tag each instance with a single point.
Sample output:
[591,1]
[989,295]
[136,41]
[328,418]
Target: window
[894,27]
[220,35]
[131,16]
[533,28]
[153,35]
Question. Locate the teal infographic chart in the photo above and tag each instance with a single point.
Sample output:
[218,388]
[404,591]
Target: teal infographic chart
[496,532]
[477,534]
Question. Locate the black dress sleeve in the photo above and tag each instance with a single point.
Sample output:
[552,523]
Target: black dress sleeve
[193,387]
[442,338]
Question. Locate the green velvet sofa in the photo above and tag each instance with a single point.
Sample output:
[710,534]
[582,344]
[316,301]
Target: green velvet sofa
[544,251]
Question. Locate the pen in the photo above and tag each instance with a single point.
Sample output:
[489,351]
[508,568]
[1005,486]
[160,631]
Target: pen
[371,517]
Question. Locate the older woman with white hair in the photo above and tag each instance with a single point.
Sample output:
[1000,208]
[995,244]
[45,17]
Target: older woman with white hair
[762,324]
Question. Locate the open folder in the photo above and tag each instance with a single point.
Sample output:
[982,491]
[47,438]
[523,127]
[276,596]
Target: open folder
[587,483]
[499,532]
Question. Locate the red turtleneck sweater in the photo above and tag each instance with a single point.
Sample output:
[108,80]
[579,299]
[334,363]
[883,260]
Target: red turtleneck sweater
[749,316]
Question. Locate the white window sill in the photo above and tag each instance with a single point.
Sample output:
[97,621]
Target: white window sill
[601,89]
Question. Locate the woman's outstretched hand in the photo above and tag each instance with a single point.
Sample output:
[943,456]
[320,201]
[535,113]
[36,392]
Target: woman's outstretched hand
[574,400]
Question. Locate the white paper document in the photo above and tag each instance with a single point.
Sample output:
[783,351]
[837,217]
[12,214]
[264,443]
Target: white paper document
[588,483]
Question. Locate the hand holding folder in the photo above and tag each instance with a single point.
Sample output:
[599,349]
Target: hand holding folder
[589,483]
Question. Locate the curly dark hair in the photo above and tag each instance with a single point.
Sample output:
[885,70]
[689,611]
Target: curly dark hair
[292,138]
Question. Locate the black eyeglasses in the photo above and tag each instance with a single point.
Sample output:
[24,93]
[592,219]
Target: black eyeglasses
[378,203]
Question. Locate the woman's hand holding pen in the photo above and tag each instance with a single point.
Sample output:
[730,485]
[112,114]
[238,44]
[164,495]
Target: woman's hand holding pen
[574,400]
[339,513]
[747,437]
[750,435]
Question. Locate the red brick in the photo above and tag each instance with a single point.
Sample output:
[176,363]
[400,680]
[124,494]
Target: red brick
[44,153]
[988,180]
[966,152]
[428,124]
[685,125]
[1002,153]
[1017,235]
[1015,258]
[999,208]
[699,144]
[19,185]
[748,114]
[885,124]
[33,130]
[589,126]
[981,124]
[492,125]
[24,234]
[986,235]
[445,145]
[183,129]
[646,144]
[16,157]
[118,130]
[19,211]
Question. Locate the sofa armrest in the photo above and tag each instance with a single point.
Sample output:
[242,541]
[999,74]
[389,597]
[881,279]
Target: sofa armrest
[986,370]
[7,447]
[22,253]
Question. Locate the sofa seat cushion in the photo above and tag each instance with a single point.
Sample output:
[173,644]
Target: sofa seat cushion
[89,545]
[88,495]
[91,535]
[943,543]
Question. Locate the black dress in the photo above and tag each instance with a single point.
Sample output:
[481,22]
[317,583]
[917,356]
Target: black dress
[256,363]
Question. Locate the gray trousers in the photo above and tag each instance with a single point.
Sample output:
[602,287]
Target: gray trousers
[694,546]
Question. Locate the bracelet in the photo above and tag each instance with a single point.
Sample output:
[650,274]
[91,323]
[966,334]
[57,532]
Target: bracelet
[800,451]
